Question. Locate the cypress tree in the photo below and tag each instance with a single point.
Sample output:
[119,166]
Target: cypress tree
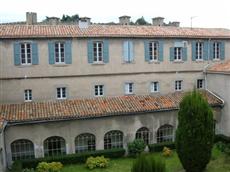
[195,134]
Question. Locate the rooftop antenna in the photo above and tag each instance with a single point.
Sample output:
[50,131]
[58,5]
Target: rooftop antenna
[191,18]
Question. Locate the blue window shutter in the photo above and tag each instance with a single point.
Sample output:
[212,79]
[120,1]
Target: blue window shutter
[90,51]
[146,44]
[106,51]
[126,51]
[17,53]
[131,51]
[51,52]
[211,50]
[222,50]
[184,54]
[161,51]
[171,54]
[68,52]
[205,51]
[193,50]
[35,59]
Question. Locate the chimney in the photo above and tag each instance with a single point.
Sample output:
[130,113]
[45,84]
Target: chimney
[53,20]
[124,20]
[31,18]
[175,23]
[84,22]
[158,21]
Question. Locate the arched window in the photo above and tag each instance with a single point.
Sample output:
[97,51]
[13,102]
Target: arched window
[113,139]
[54,146]
[22,149]
[143,133]
[85,142]
[165,133]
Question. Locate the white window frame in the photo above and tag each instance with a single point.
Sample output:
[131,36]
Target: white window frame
[85,142]
[165,133]
[200,84]
[99,90]
[113,139]
[98,52]
[129,88]
[154,51]
[59,56]
[28,95]
[27,54]
[177,54]
[199,50]
[63,93]
[154,87]
[178,85]
[216,51]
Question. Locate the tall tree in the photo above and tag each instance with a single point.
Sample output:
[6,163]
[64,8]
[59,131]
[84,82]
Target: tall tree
[141,21]
[194,135]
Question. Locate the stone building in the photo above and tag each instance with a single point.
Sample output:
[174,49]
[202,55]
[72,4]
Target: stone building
[72,88]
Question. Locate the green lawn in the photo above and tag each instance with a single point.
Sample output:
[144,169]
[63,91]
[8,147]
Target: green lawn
[218,163]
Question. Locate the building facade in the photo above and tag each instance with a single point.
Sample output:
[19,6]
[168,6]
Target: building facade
[86,87]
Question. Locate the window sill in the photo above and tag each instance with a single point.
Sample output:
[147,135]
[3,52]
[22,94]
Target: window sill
[178,61]
[127,62]
[216,60]
[98,96]
[98,63]
[154,61]
[129,94]
[24,65]
[154,92]
[178,90]
[27,101]
[61,99]
[60,65]
[199,61]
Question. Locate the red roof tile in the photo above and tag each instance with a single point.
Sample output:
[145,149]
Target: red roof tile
[220,68]
[44,31]
[95,107]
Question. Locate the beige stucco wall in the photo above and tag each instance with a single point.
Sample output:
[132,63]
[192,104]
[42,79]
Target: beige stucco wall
[220,85]
[80,76]
[81,87]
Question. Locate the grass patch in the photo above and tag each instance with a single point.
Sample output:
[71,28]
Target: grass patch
[218,163]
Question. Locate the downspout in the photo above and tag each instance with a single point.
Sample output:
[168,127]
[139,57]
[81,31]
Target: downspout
[4,146]
[206,66]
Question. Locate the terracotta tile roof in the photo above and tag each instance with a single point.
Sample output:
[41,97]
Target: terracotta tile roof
[95,107]
[220,68]
[44,31]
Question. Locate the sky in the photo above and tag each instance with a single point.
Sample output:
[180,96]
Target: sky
[204,13]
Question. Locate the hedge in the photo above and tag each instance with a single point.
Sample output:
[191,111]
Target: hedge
[74,158]
[158,147]
[222,138]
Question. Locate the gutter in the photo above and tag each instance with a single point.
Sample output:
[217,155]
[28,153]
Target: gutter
[5,123]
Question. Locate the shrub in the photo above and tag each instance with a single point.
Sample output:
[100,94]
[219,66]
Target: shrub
[220,146]
[158,147]
[167,152]
[147,163]
[194,135]
[99,161]
[28,170]
[136,147]
[75,158]
[49,167]
[222,138]
[16,166]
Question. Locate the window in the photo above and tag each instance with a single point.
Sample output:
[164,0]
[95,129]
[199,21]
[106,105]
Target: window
[54,146]
[98,90]
[165,134]
[154,87]
[200,83]
[85,142]
[98,51]
[27,95]
[59,52]
[216,50]
[177,53]
[199,50]
[22,149]
[153,51]
[178,85]
[113,139]
[143,133]
[61,93]
[26,53]
[128,51]
[129,88]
